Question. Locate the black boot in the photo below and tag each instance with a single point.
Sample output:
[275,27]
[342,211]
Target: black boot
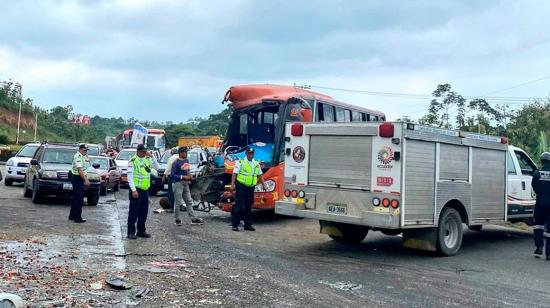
[538,251]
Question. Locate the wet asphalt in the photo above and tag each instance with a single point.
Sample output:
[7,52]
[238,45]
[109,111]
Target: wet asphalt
[286,262]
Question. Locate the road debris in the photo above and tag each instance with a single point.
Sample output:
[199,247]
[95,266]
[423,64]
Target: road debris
[141,292]
[344,286]
[118,283]
[152,269]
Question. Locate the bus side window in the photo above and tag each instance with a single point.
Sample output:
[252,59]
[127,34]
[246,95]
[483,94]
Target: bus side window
[328,112]
[375,119]
[365,117]
[342,115]
[356,116]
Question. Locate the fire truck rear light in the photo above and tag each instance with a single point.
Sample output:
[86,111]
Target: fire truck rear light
[386,130]
[376,201]
[297,130]
[301,194]
[287,193]
[394,204]
[504,140]
[385,202]
[294,193]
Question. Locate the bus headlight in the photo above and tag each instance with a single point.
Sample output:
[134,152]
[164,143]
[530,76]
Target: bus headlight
[269,185]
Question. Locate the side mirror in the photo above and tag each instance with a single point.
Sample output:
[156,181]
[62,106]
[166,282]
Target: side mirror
[96,166]
[203,163]
[34,162]
[112,168]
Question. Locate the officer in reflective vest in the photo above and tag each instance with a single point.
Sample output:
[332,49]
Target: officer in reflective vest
[541,186]
[247,173]
[79,180]
[139,180]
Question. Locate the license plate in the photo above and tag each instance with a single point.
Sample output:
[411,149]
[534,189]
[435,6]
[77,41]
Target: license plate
[340,209]
[68,186]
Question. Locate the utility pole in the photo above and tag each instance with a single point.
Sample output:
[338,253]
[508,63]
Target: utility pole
[18,123]
[35,123]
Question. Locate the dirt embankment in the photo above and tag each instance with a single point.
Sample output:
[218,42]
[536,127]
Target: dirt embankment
[10,117]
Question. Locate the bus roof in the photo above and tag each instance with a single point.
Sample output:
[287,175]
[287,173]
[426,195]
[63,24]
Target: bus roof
[243,96]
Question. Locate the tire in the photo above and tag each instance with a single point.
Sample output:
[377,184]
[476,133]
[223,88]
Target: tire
[8,182]
[475,228]
[36,196]
[103,190]
[27,193]
[93,198]
[351,234]
[116,187]
[449,232]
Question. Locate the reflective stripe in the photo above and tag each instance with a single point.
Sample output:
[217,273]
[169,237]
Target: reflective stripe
[546,234]
[538,227]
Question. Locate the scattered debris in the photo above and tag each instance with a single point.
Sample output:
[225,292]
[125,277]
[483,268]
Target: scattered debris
[141,292]
[96,286]
[152,269]
[257,276]
[176,264]
[158,211]
[118,283]
[345,286]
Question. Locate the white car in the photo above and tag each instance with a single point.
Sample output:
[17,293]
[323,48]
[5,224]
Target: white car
[16,167]
[121,161]
[197,158]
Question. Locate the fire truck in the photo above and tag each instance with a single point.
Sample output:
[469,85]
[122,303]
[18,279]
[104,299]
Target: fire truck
[423,182]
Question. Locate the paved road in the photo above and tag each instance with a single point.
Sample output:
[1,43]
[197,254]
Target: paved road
[285,263]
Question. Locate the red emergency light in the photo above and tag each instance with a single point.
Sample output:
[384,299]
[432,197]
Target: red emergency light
[297,130]
[386,130]
[504,140]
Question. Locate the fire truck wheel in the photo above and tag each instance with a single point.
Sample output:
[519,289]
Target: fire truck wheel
[351,234]
[449,232]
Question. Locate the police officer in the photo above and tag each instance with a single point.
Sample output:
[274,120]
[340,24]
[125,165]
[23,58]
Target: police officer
[541,186]
[247,172]
[80,180]
[139,180]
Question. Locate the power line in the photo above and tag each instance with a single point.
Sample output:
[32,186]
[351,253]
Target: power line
[494,99]
[518,85]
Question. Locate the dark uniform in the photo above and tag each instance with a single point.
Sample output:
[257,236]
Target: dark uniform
[247,172]
[79,161]
[541,186]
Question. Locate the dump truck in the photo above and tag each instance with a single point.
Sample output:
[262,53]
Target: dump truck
[201,141]
[423,182]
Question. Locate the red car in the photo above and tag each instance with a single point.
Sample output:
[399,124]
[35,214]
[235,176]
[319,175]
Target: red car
[108,172]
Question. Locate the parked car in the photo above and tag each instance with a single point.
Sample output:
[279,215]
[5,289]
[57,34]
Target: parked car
[16,166]
[198,159]
[157,183]
[121,161]
[95,149]
[108,173]
[49,174]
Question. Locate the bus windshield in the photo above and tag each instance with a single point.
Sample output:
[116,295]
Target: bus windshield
[261,127]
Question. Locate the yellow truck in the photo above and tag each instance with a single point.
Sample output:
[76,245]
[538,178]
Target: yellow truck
[202,141]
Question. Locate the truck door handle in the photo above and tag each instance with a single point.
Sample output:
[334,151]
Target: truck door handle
[523,185]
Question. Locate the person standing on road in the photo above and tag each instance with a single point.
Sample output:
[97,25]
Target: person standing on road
[168,179]
[79,180]
[541,186]
[139,180]
[180,185]
[247,173]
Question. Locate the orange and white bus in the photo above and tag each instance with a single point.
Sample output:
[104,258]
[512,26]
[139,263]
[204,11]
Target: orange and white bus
[258,120]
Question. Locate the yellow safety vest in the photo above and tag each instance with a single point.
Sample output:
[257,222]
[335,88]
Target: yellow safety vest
[142,172]
[246,175]
[78,156]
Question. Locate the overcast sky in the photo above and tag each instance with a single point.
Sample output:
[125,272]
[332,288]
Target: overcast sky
[171,60]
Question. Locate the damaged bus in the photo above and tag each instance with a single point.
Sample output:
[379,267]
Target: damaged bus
[259,114]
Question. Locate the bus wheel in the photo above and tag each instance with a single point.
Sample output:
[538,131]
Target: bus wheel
[449,232]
